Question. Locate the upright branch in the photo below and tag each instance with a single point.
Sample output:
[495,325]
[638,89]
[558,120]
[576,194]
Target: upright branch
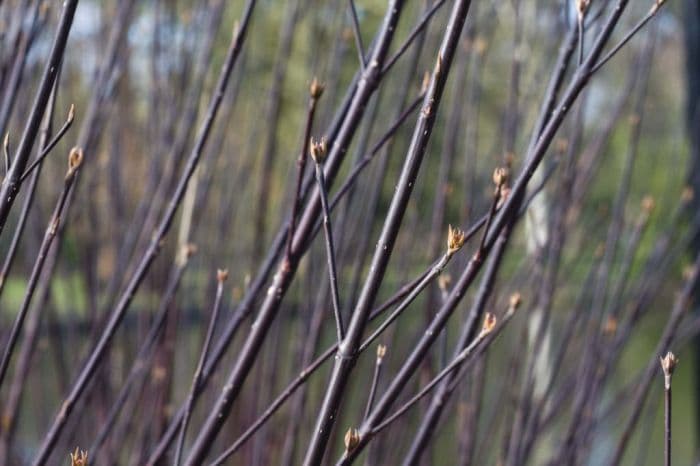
[415,32]
[668,364]
[356,32]
[381,352]
[319,149]
[221,276]
[145,354]
[642,387]
[10,185]
[655,7]
[502,222]
[342,134]
[51,144]
[403,296]
[6,153]
[581,10]
[315,92]
[75,158]
[414,158]
[490,329]
[500,179]
[117,314]
[79,458]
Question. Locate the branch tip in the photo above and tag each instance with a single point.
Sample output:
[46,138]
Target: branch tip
[668,365]
[79,458]
[221,275]
[75,159]
[455,239]
[381,352]
[489,323]
[319,150]
[352,439]
[316,88]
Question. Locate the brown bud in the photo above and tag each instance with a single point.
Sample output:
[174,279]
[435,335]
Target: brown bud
[75,158]
[221,275]
[71,113]
[668,365]
[455,239]
[79,458]
[648,204]
[657,4]
[500,176]
[582,7]
[316,88]
[489,323]
[381,352]
[319,150]
[352,439]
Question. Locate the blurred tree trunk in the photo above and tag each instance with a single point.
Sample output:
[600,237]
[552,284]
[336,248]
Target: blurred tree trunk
[692,47]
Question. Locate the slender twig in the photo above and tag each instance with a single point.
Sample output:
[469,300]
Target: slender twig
[75,158]
[415,32]
[25,37]
[338,129]
[668,364]
[6,153]
[467,334]
[490,329]
[315,92]
[117,314]
[356,32]
[367,158]
[46,149]
[245,306]
[581,10]
[381,352]
[504,218]
[652,12]
[642,388]
[306,372]
[23,365]
[287,268]
[456,238]
[500,178]
[403,296]
[10,185]
[273,112]
[29,196]
[414,158]
[221,276]
[142,360]
[319,150]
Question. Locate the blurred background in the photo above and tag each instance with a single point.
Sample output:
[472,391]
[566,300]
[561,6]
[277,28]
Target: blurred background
[138,109]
